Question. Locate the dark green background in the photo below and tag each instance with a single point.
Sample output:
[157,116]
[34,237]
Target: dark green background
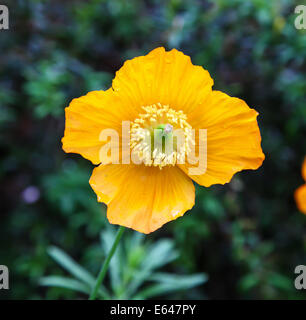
[248,235]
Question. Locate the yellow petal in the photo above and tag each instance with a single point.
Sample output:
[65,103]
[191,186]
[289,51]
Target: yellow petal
[166,77]
[300,198]
[106,181]
[143,198]
[88,115]
[304,169]
[233,138]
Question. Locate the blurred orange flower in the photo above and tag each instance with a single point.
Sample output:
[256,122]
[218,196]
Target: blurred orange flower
[300,193]
[162,90]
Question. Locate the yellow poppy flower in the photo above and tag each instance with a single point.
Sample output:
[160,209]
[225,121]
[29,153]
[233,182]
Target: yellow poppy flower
[300,193]
[162,90]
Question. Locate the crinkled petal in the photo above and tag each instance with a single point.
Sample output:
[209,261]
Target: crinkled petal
[88,115]
[233,138]
[166,77]
[143,198]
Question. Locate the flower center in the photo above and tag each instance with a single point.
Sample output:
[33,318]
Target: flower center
[161,136]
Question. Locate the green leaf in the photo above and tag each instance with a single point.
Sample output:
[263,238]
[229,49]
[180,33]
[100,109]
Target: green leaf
[248,282]
[171,283]
[75,269]
[280,281]
[159,254]
[70,265]
[63,282]
[107,240]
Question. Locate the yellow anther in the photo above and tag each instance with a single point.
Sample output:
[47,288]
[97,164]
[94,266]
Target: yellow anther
[162,154]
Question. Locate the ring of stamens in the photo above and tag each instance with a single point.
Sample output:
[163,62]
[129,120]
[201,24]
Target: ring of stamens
[161,121]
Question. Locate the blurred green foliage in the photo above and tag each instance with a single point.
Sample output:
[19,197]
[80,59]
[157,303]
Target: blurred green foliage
[133,265]
[246,236]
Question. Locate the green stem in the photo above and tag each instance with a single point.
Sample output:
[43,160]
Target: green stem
[105,265]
